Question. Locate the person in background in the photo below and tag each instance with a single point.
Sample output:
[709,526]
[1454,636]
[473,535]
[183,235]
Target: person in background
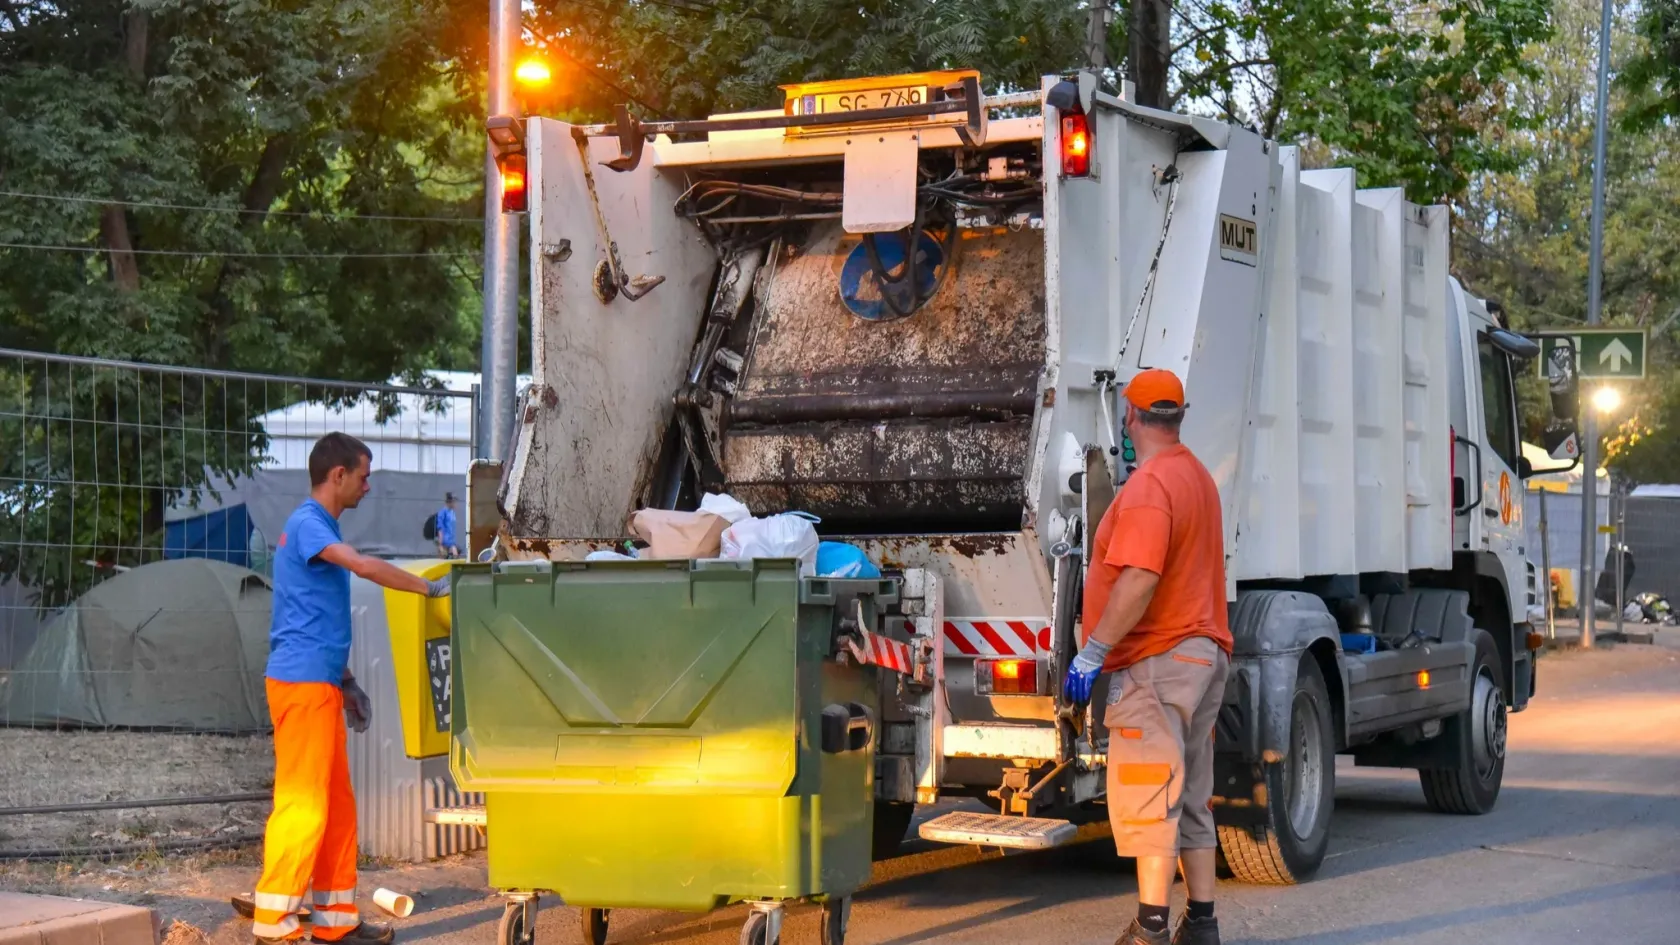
[1155,617]
[448,544]
[310,841]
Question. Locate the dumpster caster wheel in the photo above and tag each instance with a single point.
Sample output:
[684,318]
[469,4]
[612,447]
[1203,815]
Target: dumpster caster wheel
[763,926]
[595,926]
[836,913]
[518,925]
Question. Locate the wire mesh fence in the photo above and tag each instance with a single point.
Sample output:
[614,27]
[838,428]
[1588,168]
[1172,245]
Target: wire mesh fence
[139,507]
[1646,521]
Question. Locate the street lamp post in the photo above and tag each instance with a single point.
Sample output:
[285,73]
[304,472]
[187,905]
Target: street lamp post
[1595,285]
[499,358]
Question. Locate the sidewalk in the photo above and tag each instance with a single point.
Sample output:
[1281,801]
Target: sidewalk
[1568,630]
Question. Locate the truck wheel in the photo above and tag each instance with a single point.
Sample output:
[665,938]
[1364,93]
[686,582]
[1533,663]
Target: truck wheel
[1302,789]
[1471,785]
[892,822]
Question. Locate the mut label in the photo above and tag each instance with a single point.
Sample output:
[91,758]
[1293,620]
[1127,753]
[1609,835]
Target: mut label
[1238,240]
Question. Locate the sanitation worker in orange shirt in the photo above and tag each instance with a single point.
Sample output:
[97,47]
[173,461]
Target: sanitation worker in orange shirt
[1155,617]
[310,843]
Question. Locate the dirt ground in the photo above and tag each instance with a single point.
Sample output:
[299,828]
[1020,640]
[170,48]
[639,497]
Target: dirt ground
[41,768]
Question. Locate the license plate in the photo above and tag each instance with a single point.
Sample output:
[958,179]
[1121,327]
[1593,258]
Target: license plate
[865,100]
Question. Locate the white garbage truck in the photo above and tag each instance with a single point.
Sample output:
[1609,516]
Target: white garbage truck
[907,308]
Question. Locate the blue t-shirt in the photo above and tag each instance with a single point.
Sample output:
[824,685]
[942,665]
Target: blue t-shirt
[446,527]
[309,633]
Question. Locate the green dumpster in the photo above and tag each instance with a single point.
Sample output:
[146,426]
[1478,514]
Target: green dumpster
[666,734]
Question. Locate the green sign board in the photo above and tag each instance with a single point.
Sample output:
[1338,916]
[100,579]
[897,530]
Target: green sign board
[1601,353]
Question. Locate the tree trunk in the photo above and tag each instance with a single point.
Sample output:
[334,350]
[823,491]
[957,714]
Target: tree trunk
[113,230]
[259,197]
[1150,38]
[113,219]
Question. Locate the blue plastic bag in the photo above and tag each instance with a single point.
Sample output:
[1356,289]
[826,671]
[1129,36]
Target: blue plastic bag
[837,559]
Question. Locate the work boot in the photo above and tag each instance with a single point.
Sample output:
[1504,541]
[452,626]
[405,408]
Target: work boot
[368,933]
[1197,931]
[1136,934]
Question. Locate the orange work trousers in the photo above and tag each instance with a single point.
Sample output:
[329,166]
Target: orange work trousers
[310,842]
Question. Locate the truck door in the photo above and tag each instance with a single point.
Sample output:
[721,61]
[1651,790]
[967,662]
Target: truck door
[1500,522]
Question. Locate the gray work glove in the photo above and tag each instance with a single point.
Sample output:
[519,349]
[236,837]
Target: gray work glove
[438,587]
[358,708]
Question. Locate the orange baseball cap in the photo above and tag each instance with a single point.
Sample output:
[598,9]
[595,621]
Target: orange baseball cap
[1157,391]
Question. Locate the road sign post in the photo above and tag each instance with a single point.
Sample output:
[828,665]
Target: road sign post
[1604,354]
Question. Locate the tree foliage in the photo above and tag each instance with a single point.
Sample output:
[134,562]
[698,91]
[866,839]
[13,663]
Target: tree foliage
[289,186]
[1523,234]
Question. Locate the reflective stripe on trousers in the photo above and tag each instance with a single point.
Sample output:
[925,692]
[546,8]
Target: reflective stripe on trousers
[311,836]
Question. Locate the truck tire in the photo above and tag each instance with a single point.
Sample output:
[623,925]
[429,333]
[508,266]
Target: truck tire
[892,822]
[1290,847]
[1471,785]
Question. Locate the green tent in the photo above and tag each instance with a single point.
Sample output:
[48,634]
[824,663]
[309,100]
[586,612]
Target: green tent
[178,645]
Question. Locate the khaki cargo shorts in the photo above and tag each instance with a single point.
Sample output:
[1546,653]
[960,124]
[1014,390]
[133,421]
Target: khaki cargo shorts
[1160,717]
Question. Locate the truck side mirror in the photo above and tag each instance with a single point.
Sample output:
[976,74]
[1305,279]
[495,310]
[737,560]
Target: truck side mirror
[1561,439]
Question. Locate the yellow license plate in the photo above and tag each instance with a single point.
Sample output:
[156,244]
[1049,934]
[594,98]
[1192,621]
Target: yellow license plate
[860,100]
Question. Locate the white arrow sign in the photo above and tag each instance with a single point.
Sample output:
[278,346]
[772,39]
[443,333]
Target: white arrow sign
[1616,353]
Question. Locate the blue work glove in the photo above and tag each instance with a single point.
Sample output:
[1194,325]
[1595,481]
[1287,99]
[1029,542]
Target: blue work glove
[1083,671]
[358,708]
[438,588]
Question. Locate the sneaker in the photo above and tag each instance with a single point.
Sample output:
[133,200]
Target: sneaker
[1136,934]
[1197,931]
[368,933]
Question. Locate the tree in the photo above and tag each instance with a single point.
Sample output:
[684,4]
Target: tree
[290,187]
[1522,235]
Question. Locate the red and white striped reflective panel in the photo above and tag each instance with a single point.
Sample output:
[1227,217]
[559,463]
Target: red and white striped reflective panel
[878,650]
[1020,636]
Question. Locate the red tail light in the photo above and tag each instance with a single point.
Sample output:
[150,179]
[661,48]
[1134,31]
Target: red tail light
[1006,677]
[512,168]
[1076,145]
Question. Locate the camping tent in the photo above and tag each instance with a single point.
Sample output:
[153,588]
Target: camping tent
[177,645]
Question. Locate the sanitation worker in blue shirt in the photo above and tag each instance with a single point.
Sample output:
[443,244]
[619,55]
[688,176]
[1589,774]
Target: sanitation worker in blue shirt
[310,843]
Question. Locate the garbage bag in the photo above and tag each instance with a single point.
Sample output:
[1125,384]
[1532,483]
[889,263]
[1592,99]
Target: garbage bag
[840,560]
[788,535]
[608,556]
[725,506]
[678,534]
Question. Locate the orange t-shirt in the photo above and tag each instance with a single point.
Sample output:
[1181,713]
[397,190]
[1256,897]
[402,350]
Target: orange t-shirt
[1165,520]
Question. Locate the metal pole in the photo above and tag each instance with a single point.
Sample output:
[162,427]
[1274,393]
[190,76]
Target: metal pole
[1595,285]
[499,358]
[1619,497]
[1546,566]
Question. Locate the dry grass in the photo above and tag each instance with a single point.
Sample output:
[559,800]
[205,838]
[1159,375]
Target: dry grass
[39,768]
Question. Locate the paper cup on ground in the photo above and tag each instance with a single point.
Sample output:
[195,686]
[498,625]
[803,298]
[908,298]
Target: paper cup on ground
[395,903]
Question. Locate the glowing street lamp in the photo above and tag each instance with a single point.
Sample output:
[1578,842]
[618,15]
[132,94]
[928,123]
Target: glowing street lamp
[1607,399]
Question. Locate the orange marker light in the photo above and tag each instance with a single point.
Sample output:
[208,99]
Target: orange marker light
[1423,679]
[1006,677]
[533,72]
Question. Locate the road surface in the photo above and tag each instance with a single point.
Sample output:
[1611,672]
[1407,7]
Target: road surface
[1583,847]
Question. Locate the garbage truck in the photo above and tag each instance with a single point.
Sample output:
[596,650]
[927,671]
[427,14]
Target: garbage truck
[907,308]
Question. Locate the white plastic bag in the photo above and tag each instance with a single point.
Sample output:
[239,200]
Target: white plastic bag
[608,556]
[725,506]
[789,535]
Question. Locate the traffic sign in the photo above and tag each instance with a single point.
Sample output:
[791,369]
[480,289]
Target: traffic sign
[1602,353]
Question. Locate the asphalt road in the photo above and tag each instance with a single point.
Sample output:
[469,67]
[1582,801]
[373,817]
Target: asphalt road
[1584,847]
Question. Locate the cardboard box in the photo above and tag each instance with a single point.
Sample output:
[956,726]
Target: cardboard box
[49,920]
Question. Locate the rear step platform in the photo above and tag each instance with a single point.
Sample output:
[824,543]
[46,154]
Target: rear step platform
[457,816]
[997,830]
